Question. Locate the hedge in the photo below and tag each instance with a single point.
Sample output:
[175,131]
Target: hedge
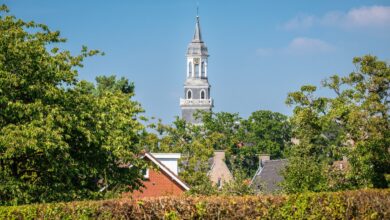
[361,204]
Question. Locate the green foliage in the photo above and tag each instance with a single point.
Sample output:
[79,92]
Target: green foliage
[110,83]
[304,174]
[353,123]
[264,132]
[363,204]
[239,186]
[171,215]
[269,131]
[243,140]
[244,159]
[223,126]
[61,139]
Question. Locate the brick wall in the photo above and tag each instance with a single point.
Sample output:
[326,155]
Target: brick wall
[158,184]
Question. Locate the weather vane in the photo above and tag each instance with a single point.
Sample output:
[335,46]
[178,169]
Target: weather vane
[197,9]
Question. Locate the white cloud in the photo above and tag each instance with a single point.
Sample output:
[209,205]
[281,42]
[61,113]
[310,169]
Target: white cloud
[300,21]
[373,16]
[368,16]
[308,45]
[299,46]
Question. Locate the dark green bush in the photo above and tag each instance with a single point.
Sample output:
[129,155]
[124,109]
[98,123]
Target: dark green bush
[361,204]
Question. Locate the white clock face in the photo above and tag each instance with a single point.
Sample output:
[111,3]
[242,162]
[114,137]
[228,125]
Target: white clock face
[196,60]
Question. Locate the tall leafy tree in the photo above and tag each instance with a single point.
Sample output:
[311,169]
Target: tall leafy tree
[354,123]
[264,132]
[60,138]
[269,131]
[222,125]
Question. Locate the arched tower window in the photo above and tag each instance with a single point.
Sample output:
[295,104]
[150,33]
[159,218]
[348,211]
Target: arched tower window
[197,70]
[189,94]
[202,94]
[203,68]
[190,68]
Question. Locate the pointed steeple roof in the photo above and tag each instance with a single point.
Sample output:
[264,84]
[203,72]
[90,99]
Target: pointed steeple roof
[197,35]
[197,46]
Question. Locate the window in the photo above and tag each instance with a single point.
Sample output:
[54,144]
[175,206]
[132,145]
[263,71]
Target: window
[145,173]
[202,95]
[203,68]
[197,70]
[189,94]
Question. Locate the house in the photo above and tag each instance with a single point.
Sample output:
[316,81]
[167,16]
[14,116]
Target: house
[219,173]
[161,178]
[268,177]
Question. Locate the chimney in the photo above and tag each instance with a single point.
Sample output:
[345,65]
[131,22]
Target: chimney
[263,158]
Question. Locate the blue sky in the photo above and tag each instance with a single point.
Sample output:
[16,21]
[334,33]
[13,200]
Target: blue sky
[259,50]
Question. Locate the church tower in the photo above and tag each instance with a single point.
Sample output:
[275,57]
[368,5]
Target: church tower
[196,86]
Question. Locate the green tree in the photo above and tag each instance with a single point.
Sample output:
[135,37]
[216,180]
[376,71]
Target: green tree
[269,132]
[60,139]
[222,125]
[308,158]
[110,83]
[264,132]
[353,123]
[303,174]
[239,186]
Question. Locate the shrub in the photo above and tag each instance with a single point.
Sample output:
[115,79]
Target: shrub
[362,204]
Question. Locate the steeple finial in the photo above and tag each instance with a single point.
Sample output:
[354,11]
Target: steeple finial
[197,9]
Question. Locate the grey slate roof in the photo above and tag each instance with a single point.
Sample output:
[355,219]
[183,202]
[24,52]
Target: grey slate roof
[268,176]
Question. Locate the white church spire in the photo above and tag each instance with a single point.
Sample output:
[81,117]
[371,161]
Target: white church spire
[196,87]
